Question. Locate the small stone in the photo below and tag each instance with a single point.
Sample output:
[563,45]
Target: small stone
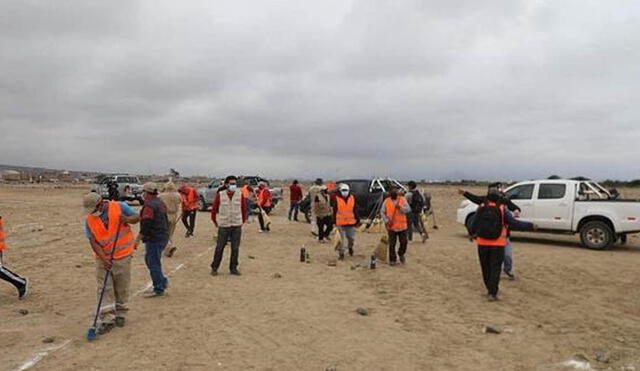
[277,275]
[331,368]
[493,330]
[362,311]
[251,257]
[24,312]
[332,263]
[78,265]
[60,314]
[602,356]
[49,340]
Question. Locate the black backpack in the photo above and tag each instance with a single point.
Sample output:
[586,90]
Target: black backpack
[488,222]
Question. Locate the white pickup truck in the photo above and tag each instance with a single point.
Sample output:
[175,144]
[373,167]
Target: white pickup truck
[570,207]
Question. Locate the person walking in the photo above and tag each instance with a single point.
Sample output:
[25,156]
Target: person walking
[228,214]
[324,214]
[417,203]
[154,229]
[265,202]
[248,193]
[173,201]
[20,283]
[346,219]
[394,215]
[190,200]
[511,206]
[112,189]
[295,196]
[313,192]
[489,228]
[105,220]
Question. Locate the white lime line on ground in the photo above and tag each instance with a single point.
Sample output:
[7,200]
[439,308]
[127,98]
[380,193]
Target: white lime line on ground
[38,356]
[41,354]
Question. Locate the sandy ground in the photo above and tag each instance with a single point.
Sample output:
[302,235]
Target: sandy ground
[427,315]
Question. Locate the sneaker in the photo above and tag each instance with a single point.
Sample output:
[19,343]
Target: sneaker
[24,289]
[214,272]
[172,250]
[322,241]
[154,294]
[512,277]
[351,251]
[186,235]
[341,256]
[236,272]
[425,237]
[402,259]
[493,298]
[120,321]
[105,327]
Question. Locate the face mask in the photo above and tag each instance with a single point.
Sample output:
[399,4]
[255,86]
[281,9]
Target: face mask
[344,193]
[232,187]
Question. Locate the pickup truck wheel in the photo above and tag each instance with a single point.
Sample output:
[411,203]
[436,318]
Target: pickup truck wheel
[597,235]
[202,205]
[468,222]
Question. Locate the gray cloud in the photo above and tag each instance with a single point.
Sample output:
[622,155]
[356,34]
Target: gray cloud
[422,89]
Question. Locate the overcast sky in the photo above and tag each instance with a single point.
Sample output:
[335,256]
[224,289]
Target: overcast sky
[441,89]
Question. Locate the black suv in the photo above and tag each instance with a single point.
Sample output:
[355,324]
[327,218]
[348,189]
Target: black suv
[368,193]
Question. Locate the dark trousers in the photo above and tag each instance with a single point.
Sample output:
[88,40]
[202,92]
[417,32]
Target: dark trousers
[267,210]
[325,225]
[293,210]
[414,224]
[189,220]
[9,276]
[491,259]
[226,234]
[393,238]
[153,259]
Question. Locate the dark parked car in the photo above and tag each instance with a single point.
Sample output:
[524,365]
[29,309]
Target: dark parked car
[368,192]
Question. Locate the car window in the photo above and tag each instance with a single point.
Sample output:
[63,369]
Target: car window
[521,192]
[359,188]
[552,191]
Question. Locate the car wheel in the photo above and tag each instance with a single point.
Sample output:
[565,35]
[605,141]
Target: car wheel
[202,205]
[468,222]
[597,235]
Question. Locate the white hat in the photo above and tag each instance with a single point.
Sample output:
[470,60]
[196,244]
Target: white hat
[344,187]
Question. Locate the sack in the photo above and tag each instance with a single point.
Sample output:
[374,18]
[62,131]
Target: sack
[488,222]
[337,241]
[381,250]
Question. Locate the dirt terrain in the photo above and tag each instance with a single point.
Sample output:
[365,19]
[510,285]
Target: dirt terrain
[567,303]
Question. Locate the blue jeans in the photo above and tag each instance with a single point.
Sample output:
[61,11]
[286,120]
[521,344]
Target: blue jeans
[293,210]
[508,259]
[152,257]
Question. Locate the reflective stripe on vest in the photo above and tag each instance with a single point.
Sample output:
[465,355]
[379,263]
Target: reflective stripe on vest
[397,219]
[345,214]
[230,210]
[500,241]
[105,237]
[3,245]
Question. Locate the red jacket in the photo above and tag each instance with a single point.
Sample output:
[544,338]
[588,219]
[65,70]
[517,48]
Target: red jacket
[296,193]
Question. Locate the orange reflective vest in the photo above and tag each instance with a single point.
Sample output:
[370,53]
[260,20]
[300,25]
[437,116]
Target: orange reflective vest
[331,186]
[3,245]
[397,219]
[190,200]
[346,215]
[500,241]
[105,236]
[246,192]
[264,198]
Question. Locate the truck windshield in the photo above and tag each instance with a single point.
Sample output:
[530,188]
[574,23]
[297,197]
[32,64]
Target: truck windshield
[127,179]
